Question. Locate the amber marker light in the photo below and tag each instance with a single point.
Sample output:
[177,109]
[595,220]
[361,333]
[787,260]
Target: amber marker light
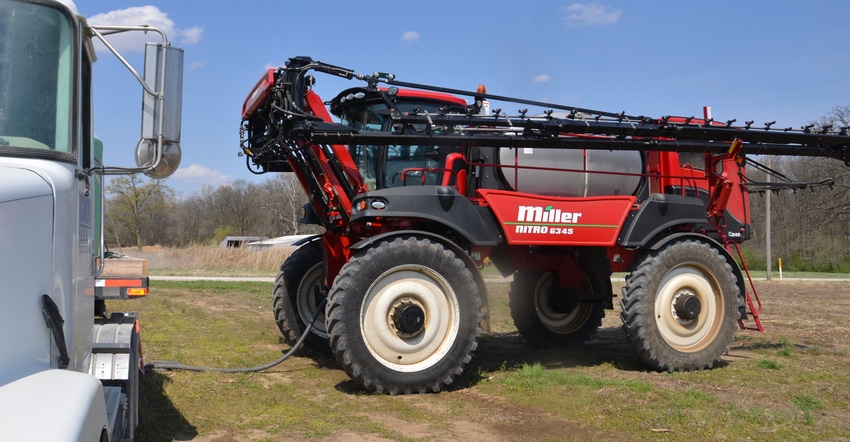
[138,292]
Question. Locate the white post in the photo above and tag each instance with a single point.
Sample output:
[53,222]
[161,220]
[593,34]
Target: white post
[767,222]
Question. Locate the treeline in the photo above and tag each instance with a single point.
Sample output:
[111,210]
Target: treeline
[142,212]
[810,228]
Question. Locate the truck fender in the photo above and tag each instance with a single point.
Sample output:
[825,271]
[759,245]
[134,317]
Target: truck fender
[445,242]
[306,240]
[736,269]
[52,404]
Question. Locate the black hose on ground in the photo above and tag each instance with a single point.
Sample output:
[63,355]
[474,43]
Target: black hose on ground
[168,365]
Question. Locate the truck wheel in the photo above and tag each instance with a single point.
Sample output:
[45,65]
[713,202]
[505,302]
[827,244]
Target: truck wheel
[679,306]
[544,320]
[297,294]
[403,316]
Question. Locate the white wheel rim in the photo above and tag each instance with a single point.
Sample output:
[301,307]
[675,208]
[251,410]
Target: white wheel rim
[307,302]
[558,322]
[425,288]
[689,335]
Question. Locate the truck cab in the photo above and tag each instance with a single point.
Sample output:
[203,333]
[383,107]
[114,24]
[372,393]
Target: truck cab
[64,374]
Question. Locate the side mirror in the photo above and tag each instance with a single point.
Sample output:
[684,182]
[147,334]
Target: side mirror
[159,146]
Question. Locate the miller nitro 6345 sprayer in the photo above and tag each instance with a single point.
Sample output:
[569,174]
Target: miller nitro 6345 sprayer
[417,187]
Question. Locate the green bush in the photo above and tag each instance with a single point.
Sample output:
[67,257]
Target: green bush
[754,259]
[822,262]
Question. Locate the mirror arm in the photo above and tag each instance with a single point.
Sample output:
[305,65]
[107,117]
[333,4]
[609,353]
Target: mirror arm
[159,95]
[114,170]
[95,30]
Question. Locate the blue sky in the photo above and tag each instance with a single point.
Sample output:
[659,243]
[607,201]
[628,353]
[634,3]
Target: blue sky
[748,60]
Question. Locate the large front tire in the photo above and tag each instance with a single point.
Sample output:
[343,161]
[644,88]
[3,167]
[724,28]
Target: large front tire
[547,319]
[296,295]
[403,317]
[679,306]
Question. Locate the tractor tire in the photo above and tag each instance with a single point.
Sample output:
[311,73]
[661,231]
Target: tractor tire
[543,323]
[297,294]
[679,306]
[403,316]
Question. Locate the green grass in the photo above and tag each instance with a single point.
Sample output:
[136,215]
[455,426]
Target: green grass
[769,364]
[772,387]
[807,404]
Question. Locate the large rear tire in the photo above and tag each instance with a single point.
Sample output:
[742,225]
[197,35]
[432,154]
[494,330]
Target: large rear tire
[297,293]
[546,319]
[403,316]
[679,306]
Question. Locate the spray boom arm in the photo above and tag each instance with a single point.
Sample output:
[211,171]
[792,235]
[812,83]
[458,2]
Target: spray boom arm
[276,115]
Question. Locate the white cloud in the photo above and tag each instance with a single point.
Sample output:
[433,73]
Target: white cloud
[411,36]
[591,14]
[198,174]
[542,78]
[138,16]
[197,64]
[191,35]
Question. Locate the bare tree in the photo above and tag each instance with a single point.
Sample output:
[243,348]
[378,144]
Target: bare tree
[283,205]
[136,205]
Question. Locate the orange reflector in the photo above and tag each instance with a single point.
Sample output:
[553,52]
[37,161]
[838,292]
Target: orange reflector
[137,292]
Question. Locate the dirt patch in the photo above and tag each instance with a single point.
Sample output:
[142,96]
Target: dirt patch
[808,313]
[470,416]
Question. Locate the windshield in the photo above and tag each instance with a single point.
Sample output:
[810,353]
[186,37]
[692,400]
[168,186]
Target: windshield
[392,166]
[35,78]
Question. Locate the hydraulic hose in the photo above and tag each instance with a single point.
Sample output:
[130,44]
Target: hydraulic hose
[168,365]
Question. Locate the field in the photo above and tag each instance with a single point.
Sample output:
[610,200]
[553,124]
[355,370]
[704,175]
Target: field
[788,383]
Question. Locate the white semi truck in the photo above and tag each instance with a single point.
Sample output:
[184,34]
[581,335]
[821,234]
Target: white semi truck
[67,370]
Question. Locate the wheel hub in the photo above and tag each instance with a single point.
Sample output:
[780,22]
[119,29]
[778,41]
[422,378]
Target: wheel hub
[408,318]
[687,306]
[559,300]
